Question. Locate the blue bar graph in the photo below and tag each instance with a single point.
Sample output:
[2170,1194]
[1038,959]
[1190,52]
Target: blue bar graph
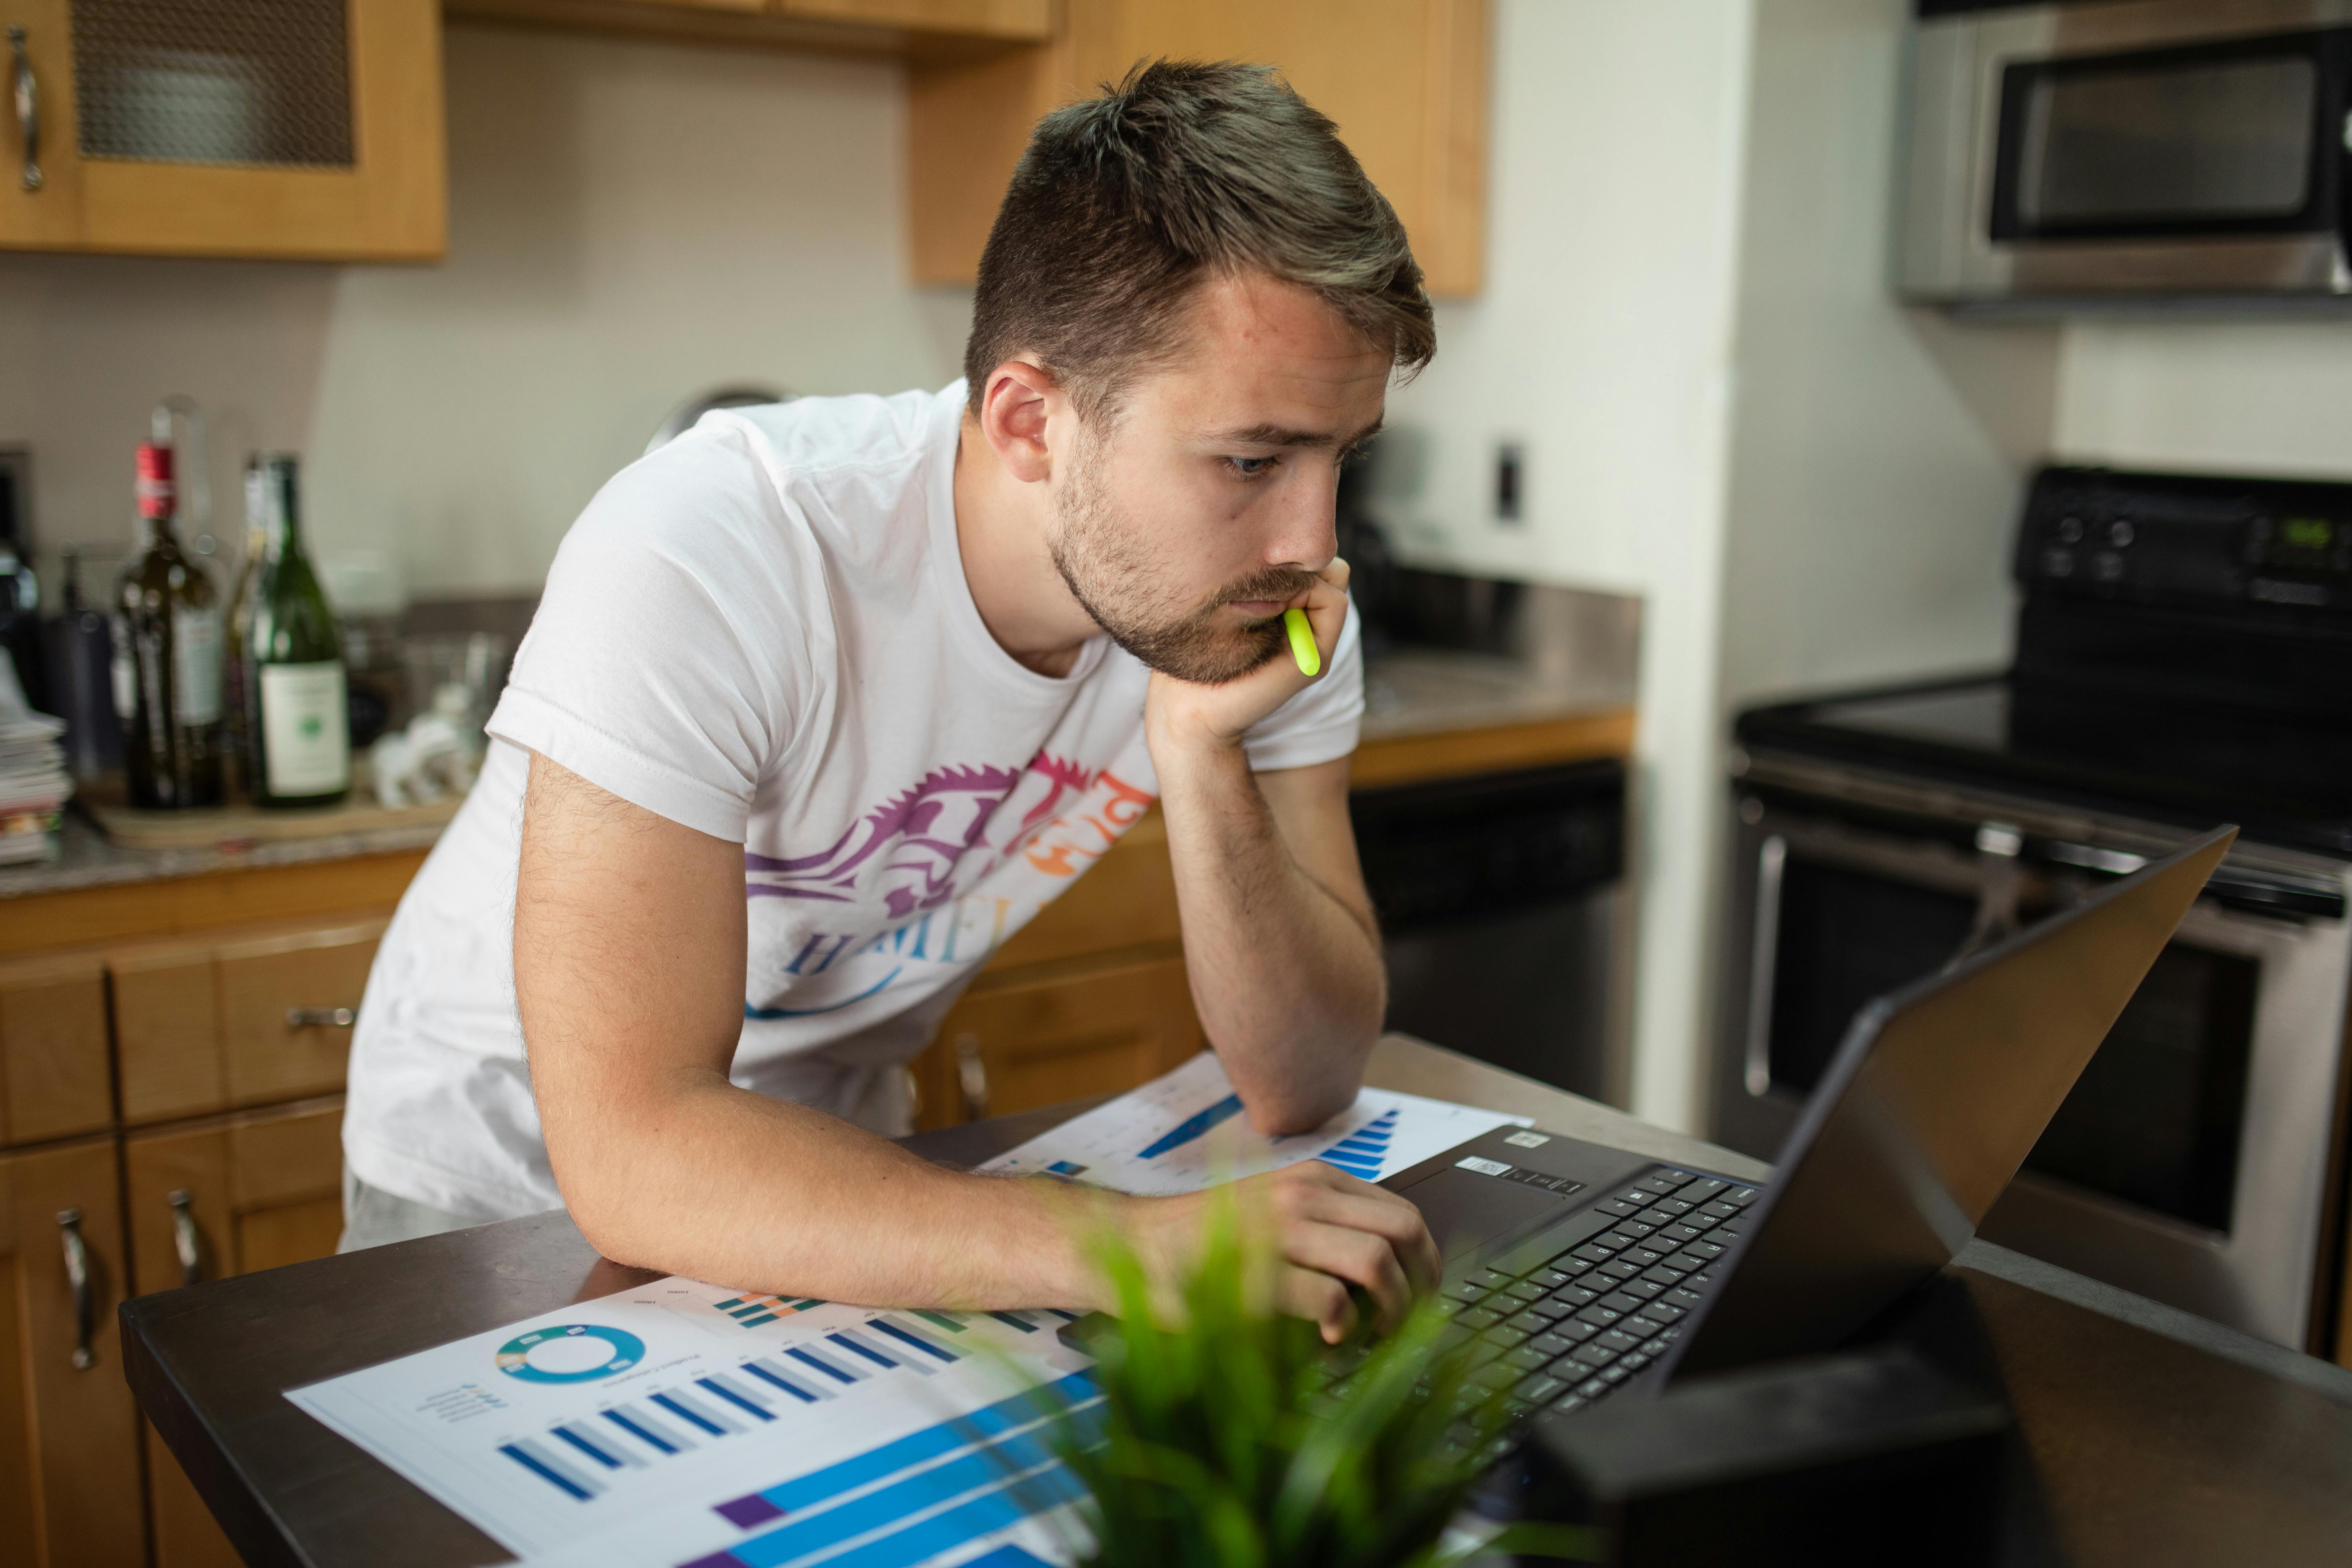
[733,1394]
[940,1487]
[824,1364]
[1365,1151]
[539,1462]
[1192,1127]
[775,1376]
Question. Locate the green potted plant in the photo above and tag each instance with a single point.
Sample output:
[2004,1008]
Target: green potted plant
[1230,1437]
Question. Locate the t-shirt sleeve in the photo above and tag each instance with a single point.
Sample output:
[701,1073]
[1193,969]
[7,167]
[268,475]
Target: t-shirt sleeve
[1320,724]
[673,645]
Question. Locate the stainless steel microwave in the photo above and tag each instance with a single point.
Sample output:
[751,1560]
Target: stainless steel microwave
[2119,148]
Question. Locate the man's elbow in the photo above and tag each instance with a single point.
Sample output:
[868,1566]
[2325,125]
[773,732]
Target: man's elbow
[1299,1109]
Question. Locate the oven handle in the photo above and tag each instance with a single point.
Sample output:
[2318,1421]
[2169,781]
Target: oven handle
[2241,889]
[1763,958]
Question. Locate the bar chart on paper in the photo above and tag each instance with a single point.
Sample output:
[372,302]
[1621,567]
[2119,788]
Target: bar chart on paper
[678,1395]
[1186,1130]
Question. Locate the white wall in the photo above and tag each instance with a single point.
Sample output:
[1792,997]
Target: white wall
[1603,343]
[2236,397]
[629,223]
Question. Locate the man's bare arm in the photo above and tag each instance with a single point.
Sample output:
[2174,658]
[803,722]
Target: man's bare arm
[1279,939]
[629,973]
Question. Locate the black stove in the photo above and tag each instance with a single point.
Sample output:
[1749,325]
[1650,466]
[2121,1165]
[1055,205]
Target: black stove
[2184,654]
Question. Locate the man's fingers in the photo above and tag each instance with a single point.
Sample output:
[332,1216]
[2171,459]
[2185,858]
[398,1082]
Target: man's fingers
[1337,1198]
[1319,1299]
[1355,1257]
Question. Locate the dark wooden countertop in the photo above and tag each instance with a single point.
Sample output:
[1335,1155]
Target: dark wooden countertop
[2155,1439]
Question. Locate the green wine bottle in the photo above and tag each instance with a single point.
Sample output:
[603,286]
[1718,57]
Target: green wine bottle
[297,730]
[167,653]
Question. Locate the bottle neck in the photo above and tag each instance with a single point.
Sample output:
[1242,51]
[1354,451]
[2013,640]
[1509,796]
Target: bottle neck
[282,522]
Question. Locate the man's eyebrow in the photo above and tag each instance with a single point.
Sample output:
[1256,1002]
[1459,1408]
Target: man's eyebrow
[1283,436]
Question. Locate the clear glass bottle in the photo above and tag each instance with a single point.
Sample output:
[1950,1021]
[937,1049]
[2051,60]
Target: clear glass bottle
[298,745]
[167,634]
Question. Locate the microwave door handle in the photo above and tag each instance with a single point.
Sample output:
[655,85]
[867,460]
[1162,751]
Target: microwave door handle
[1763,958]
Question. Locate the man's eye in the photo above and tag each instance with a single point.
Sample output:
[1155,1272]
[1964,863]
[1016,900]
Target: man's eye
[1250,467]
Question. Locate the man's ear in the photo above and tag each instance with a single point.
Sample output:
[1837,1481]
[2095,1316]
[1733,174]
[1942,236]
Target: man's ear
[1020,400]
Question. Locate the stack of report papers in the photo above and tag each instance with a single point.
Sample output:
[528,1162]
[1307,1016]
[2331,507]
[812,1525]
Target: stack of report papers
[682,1424]
[34,783]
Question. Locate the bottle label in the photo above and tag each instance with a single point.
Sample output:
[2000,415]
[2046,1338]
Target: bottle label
[124,668]
[195,665]
[306,743]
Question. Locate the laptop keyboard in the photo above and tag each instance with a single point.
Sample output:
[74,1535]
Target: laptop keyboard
[1573,1329]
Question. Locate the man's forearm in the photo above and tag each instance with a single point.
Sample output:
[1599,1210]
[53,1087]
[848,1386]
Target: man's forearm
[718,1182]
[1287,976]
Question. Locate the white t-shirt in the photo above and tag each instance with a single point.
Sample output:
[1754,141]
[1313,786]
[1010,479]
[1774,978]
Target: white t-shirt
[763,631]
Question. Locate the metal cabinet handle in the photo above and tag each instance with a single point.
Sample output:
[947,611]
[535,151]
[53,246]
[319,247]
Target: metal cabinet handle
[29,108]
[84,1293]
[315,1017]
[972,1077]
[185,1239]
[1763,961]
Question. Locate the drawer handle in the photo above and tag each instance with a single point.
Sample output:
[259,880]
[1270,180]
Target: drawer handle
[320,1017]
[972,1078]
[29,108]
[185,1239]
[84,1295]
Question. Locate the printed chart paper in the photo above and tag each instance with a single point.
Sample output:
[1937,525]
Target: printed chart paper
[731,1431]
[1184,1131]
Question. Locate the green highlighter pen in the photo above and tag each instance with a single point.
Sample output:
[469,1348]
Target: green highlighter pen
[1302,643]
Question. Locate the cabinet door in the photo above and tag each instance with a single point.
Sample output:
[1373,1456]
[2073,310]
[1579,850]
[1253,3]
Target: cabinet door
[228,1196]
[200,1026]
[69,1433]
[40,187]
[1404,79]
[1042,1041]
[53,1068]
[192,131]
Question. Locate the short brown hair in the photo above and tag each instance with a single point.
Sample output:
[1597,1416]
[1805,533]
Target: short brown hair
[1124,203]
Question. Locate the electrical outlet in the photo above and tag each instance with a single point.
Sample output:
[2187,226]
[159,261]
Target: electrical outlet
[1510,482]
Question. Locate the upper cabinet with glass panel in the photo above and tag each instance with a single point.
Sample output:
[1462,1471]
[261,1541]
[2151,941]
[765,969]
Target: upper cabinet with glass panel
[306,129]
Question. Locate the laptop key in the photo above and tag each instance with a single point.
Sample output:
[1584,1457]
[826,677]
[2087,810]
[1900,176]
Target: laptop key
[1596,1252]
[1742,1197]
[1530,1322]
[1656,1347]
[1554,1345]
[1719,1209]
[1573,1265]
[1593,1387]
[1656,1217]
[1665,1274]
[1527,1358]
[1599,1317]
[1495,1278]
[1594,1355]
[1684,1296]
[1550,1279]
[1477,1317]
[1634,1228]
[1620,1207]
[1632,1361]
[1679,1233]
[1664,1311]
[1620,1270]
[1617,1340]
[1468,1290]
[1539,1388]
[1615,1374]
[1703,1189]
[1621,1300]
[1523,1292]
[1706,1249]
[1659,1184]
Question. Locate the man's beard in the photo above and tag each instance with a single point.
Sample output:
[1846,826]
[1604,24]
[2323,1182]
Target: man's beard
[1100,559]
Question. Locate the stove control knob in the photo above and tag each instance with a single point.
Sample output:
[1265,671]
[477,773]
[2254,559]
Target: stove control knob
[2108,565]
[2057,564]
[2069,530]
[2120,533]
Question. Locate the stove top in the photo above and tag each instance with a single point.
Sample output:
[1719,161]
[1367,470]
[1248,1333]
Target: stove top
[2285,780]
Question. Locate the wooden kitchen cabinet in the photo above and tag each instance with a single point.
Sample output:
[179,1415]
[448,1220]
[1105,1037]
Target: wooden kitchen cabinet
[1047,1037]
[54,1078]
[912,29]
[69,1430]
[1404,79]
[231,1195]
[188,129]
[237,1019]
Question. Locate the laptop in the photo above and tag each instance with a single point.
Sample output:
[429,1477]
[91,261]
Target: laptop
[1579,1270]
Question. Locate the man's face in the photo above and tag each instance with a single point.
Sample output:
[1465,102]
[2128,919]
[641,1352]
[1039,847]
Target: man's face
[1205,507]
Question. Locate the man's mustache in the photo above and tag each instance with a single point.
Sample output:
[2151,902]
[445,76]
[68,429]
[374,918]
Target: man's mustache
[1274,582]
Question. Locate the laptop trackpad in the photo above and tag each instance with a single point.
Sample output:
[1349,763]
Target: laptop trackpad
[1466,1211]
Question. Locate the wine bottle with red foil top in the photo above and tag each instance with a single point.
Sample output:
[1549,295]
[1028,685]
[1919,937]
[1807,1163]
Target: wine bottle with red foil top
[168,627]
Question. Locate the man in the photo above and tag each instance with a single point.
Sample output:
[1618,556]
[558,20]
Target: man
[825,699]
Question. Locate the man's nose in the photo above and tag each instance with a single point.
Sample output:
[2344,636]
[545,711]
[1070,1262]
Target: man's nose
[1306,531]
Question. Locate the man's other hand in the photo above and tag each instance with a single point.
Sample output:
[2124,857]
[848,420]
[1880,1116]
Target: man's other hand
[1328,1232]
[1187,714]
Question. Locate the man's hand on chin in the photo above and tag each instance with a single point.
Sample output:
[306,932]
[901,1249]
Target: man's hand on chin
[1189,715]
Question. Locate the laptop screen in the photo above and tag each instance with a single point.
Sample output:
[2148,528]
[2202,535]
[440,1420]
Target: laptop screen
[1932,1103]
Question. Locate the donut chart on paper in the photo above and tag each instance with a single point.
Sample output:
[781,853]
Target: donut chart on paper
[568,1352]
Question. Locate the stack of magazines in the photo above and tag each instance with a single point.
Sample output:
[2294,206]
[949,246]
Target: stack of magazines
[34,783]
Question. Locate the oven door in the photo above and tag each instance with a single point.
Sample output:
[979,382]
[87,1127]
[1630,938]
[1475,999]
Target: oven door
[2191,1161]
[2135,148]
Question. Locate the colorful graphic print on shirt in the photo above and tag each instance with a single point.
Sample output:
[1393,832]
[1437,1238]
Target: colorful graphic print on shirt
[956,864]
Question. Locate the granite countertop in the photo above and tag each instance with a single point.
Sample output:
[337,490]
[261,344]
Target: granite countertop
[86,857]
[1423,690]
[1412,691]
